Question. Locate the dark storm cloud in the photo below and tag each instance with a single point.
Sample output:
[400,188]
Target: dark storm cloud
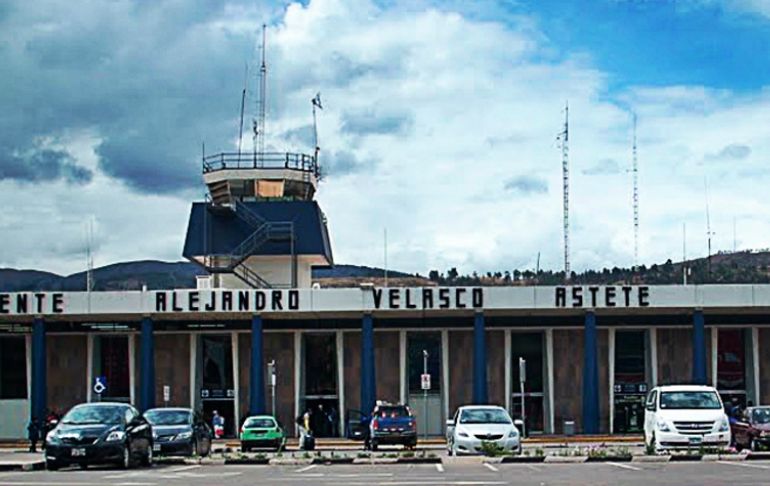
[43,166]
[734,151]
[151,80]
[603,167]
[302,137]
[371,123]
[526,185]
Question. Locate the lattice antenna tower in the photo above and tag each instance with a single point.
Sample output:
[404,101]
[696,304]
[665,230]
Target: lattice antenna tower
[563,139]
[635,173]
[259,123]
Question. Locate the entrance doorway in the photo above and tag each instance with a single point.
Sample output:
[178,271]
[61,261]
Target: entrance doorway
[111,362]
[630,384]
[531,347]
[321,383]
[420,402]
[732,366]
[217,392]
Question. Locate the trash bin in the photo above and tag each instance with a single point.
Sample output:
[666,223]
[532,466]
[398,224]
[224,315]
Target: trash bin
[569,427]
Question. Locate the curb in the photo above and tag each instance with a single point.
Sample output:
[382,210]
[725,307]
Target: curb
[758,456]
[522,459]
[565,459]
[610,459]
[26,466]
[685,458]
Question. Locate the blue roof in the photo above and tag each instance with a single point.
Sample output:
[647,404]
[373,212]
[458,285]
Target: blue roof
[226,230]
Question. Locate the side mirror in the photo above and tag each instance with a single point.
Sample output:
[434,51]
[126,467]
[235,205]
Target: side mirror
[519,424]
[450,423]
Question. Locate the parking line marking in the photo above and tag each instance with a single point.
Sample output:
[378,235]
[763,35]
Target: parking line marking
[624,466]
[185,468]
[490,467]
[533,468]
[439,467]
[306,468]
[741,464]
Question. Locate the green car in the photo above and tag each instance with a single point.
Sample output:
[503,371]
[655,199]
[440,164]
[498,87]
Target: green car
[262,431]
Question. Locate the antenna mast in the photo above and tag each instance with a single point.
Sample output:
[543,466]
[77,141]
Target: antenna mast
[709,233]
[243,103]
[89,256]
[635,170]
[259,123]
[563,139]
[316,102]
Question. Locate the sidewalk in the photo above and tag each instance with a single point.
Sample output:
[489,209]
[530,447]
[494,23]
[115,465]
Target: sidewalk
[20,460]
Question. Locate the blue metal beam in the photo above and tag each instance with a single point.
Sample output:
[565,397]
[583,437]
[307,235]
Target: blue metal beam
[38,400]
[147,366]
[368,380]
[480,395]
[699,349]
[257,373]
[590,376]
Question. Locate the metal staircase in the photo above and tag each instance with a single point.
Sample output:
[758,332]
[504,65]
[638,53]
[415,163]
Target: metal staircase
[264,231]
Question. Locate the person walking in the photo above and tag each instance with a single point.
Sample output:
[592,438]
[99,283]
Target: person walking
[218,422]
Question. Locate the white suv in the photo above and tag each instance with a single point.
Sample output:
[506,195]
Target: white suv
[685,416]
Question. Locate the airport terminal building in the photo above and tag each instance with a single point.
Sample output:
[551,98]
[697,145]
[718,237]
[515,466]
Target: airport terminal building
[592,352]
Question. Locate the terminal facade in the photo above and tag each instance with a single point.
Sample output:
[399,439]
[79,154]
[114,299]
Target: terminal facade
[591,352]
[343,349]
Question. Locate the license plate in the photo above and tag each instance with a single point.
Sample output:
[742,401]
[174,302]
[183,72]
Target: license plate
[78,452]
[156,447]
[696,440]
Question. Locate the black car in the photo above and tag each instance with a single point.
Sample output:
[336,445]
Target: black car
[179,432]
[100,433]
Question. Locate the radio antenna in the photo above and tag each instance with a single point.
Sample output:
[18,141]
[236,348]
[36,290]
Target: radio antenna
[709,233]
[635,170]
[243,105]
[259,122]
[563,139]
[316,101]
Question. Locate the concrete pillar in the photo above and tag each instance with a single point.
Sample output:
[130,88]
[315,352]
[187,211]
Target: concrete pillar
[39,398]
[590,376]
[480,395]
[699,349]
[257,370]
[368,383]
[147,357]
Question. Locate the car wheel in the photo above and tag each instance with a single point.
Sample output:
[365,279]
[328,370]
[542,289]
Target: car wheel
[125,463]
[51,466]
[373,445]
[195,448]
[147,460]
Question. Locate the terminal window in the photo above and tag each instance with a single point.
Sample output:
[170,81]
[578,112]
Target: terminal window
[13,367]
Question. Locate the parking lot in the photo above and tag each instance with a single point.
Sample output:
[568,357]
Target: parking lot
[452,472]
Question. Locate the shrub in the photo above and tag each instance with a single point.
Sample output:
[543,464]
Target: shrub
[490,449]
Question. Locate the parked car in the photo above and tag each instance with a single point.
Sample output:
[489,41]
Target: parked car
[685,416]
[752,430]
[472,426]
[262,431]
[391,424]
[100,433]
[179,432]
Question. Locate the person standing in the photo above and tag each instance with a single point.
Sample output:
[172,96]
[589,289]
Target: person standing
[33,433]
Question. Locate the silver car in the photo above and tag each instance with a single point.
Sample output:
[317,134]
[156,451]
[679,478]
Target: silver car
[471,426]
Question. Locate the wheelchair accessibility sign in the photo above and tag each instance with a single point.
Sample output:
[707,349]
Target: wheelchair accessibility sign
[100,385]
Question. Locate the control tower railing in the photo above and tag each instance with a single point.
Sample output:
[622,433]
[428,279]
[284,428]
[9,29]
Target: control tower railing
[268,160]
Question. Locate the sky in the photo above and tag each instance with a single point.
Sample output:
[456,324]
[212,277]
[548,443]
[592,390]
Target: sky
[439,124]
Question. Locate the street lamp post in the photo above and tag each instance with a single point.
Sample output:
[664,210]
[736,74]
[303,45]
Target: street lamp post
[522,380]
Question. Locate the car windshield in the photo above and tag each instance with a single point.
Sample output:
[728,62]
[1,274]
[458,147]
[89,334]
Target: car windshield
[761,416]
[100,414]
[485,416]
[168,417]
[259,423]
[393,412]
[689,400]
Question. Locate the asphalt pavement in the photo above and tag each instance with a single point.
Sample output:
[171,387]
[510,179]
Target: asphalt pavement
[462,473]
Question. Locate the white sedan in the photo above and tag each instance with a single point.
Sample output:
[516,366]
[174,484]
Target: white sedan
[473,425]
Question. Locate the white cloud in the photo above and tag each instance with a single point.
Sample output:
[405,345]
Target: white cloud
[438,182]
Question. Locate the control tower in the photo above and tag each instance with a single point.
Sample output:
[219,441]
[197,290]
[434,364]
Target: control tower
[259,226]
